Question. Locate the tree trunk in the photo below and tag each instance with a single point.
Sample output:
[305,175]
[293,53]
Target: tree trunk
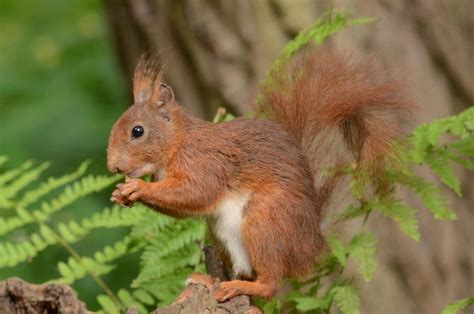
[215,52]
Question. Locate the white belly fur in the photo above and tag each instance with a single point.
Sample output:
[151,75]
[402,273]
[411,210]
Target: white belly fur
[227,225]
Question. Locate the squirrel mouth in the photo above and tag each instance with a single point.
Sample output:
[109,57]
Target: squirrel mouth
[147,169]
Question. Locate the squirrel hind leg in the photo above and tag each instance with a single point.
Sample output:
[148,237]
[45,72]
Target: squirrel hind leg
[260,288]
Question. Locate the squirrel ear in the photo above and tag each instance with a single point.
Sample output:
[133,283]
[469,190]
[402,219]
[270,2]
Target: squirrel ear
[165,95]
[164,114]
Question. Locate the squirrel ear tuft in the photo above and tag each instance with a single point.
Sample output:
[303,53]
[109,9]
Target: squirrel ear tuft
[148,73]
[165,95]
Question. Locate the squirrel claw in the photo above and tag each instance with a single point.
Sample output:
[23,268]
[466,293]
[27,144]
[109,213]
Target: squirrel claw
[226,290]
[198,278]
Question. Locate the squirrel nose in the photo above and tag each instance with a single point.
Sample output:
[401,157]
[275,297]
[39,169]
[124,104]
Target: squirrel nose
[113,167]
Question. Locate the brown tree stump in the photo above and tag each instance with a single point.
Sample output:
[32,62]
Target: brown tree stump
[18,297]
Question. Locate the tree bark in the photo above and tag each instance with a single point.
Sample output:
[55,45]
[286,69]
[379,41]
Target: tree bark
[215,52]
[198,299]
[20,297]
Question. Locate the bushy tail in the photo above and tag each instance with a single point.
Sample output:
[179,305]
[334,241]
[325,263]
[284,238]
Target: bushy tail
[343,111]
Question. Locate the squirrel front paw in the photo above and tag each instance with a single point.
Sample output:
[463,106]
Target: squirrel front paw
[119,199]
[132,189]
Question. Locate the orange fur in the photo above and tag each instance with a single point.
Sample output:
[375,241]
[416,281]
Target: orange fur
[328,110]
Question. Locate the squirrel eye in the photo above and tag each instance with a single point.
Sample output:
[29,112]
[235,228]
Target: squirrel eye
[137,131]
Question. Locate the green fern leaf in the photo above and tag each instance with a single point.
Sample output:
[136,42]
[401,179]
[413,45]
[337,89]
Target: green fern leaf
[47,234]
[431,196]
[77,190]
[129,301]
[71,193]
[126,297]
[463,146]
[112,252]
[458,305]
[52,184]
[66,233]
[67,273]
[439,164]
[11,174]
[22,181]
[108,305]
[143,296]
[403,214]
[346,299]
[331,22]
[362,249]
[305,304]
[114,217]
[338,250]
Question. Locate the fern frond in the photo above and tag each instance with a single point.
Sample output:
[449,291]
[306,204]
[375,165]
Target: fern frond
[426,148]
[51,184]
[130,302]
[181,235]
[13,173]
[127,299]
[112,252]
[108,305]
[431,195]
[88,185]
[100,265]
[12,254]
[329,23]
[168,287]
[144,297]
[151,224]
[114,217]
[73,269]
[72,193]
[338,250]
[346,299]
[438,160]
[403,214]
[21,182]
[362,249]
[172,251]
[153,268]
[305,304]
[458,305]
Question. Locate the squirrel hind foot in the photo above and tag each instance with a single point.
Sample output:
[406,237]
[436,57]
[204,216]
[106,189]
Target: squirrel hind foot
[229,289]
[198,278]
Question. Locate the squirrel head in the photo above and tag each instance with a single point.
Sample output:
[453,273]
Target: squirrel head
[142,139]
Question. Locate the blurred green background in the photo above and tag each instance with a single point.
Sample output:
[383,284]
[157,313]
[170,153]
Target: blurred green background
[60,88]
[60,92]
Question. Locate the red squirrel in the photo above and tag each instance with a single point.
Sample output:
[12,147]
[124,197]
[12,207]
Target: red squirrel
[258,181]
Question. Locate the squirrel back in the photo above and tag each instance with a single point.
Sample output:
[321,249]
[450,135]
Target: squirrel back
[343,110]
